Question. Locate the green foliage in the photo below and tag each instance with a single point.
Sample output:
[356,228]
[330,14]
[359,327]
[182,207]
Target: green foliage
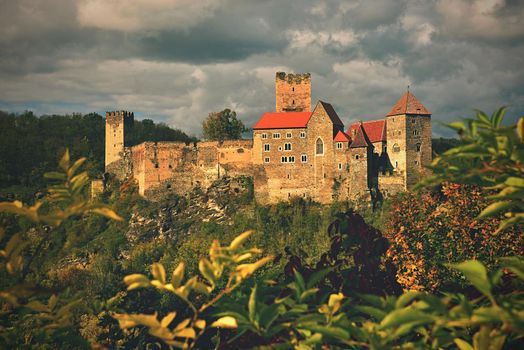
[30,146]
[22,295]
[224,125]
[490,155]
[225,263]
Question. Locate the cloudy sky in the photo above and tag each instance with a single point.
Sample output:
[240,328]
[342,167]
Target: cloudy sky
[174,61]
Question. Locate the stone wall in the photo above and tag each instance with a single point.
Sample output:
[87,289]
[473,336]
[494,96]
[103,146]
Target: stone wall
[390,184]
[293,92]
[418,149]
[117,125]
[161,168]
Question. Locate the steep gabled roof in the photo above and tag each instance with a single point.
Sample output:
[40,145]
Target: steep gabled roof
[408,104]
[331,113]
[361,139]
[342,137]
[375,130]
[283,120]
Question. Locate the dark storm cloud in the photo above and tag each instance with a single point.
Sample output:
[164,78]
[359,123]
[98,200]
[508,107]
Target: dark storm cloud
[176,61]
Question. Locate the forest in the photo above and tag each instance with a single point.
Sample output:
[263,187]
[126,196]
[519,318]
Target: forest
[439,267]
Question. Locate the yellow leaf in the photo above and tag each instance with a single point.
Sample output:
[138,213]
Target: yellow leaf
[168,319]
[135,278]
[178,275]
[186,333]
[201,324]
[108,213]
[225,322]
[182,324]
[159,272]
[240,239]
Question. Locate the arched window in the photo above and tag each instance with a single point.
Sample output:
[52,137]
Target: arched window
[396,148]
[320,146]
[418,147]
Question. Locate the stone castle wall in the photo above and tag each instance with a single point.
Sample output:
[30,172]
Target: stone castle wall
[161,168]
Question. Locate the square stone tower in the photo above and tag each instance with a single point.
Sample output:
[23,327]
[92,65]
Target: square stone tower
[409,138]
[118,124]
[293,92]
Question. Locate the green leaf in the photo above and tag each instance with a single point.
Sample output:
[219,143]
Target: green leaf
[333,332]
[401,316]
[374,312]
[496,208]
[252,304]
[515,181]
[406,298]
[515,264]
[476,274]
[299,281]
[64,162]
[317,277]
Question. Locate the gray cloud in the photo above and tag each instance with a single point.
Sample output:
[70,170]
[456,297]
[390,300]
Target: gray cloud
[177,61]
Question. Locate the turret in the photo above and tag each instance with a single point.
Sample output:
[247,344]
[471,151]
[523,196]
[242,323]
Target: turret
[293,92]
[118,124]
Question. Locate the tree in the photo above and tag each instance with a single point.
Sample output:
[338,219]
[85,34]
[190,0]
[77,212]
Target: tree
[224,125]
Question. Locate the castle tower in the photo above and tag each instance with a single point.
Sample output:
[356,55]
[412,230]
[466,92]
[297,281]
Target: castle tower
[409,138]
[293,92]
[117,126]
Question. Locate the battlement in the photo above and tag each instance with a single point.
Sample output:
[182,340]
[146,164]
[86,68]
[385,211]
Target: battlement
[116,116]
[293,78]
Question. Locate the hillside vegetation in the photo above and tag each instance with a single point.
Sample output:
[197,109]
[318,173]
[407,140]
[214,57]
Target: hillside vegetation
[214,269]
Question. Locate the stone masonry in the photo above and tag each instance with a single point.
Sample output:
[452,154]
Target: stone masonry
[295,152]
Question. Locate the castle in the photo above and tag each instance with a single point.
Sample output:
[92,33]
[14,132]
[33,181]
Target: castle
[295,152]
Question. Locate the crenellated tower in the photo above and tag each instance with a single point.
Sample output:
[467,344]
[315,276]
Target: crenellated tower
[293,92]
[409,138]
[118,124]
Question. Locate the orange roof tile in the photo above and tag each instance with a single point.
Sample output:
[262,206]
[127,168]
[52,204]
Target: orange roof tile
[342,137]
[283,120]
[375,130]
[408,104]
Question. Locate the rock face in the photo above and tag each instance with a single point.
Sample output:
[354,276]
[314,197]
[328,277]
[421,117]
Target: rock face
[178,215]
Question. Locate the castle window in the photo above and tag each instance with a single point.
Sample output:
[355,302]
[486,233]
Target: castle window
[283,159]
[339,166]
[266,160]
[399,132]
[292,159]
[168,186]
[293,101]
[416,162]
[276,135]
[240,150]
[413,120]
[266,147]
[289,135]
[396,165]
[320,147]
[264,136]
[302,134]
[416,132]
[303,158]
[293,89]
[288,176]
[339,145]
[418,145]
[357,157]
[396,148]
[287,146]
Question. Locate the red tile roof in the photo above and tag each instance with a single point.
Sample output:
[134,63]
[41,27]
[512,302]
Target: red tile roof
[360,139]
[283,120]
[408,104]
[342,137]
[375,130]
